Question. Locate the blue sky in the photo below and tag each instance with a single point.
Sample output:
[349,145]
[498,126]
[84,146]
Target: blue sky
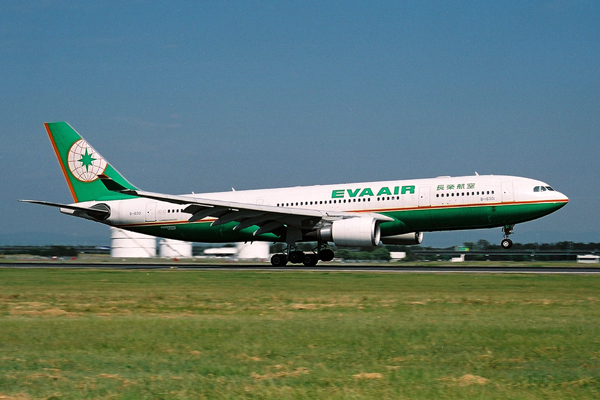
[205,96]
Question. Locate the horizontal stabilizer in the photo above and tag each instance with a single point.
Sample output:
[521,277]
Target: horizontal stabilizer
[98,211]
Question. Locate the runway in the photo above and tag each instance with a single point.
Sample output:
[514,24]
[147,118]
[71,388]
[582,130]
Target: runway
[363,268]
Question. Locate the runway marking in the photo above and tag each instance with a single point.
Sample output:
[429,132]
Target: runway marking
[300,268]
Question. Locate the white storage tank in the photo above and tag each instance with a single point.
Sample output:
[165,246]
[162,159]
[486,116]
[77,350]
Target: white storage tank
[171,248]
[126,244]
[253,251]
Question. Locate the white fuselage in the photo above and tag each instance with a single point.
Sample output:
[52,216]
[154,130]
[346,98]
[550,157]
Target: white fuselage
[356,197]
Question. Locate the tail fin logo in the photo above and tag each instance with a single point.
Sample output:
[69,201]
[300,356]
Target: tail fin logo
[85,163]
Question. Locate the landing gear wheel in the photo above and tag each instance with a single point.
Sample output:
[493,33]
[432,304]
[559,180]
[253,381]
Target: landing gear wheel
[310,260]
[296,257]
[506,243]
[326,255]
[279,260]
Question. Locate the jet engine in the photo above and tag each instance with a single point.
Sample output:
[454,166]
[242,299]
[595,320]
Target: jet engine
[406,239]
[360,231]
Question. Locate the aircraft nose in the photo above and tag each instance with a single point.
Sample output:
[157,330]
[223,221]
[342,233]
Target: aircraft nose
[562,197]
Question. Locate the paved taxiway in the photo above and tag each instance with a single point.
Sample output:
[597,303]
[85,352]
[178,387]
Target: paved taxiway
[322,268]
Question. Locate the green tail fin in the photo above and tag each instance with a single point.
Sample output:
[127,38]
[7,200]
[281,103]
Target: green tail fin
[82,165]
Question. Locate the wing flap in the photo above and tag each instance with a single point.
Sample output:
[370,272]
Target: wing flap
[261,219]
[199,212]
[268,227]
[237,216]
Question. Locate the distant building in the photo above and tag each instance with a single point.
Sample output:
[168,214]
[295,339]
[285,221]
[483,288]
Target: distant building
[127,244]
[220,252]
[397,255]
[258,251]
[171,248]
[588,258]
[460,258]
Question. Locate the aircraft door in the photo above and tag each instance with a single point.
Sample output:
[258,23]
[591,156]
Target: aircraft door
[424,196]
[508,195]
[151,212]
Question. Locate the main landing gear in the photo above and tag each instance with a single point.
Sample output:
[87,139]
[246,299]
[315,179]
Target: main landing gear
[506,243]
[320,253]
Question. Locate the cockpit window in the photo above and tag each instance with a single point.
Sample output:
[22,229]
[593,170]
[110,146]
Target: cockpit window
[536,189]
[549,188]
[543,189]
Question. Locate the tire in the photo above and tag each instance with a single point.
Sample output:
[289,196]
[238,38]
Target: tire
[296,257]
[506,244]
[326,255]
[278,260]
[310,260]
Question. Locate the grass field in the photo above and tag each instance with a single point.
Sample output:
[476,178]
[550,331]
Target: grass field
[71,334]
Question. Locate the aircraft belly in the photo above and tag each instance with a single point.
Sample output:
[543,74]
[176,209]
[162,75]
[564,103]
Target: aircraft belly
[471,217]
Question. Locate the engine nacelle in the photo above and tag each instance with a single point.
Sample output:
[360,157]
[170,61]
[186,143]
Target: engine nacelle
[406,239]
[360,231]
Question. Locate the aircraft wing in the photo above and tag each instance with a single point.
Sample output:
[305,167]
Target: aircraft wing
[267,218]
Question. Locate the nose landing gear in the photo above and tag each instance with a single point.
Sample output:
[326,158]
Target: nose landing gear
[507,230]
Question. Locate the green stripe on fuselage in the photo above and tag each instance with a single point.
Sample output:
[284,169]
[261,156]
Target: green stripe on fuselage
[424,219]
[444,218]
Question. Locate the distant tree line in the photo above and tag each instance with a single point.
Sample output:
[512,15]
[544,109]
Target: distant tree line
[559,246]
[381,253]
[42,251]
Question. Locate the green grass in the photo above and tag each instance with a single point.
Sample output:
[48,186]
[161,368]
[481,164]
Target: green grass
[71,334]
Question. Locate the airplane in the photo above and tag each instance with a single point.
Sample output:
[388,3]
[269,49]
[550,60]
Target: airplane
[363,214]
